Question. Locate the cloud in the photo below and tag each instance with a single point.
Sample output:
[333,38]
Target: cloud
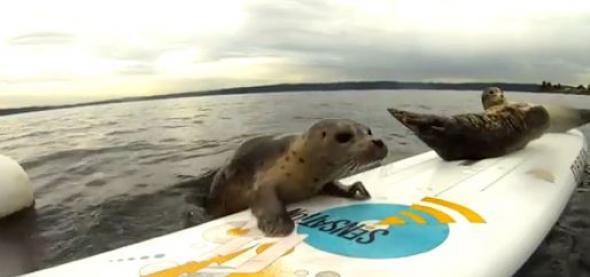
[123,50]
[340,42]
[137,69]
[42,38]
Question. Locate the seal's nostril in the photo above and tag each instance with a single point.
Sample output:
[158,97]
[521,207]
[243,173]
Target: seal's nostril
[379,143]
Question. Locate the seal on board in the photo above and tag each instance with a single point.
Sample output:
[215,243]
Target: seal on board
[266,173]
[475,136]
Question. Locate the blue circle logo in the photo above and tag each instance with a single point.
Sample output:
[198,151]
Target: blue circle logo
[373,231]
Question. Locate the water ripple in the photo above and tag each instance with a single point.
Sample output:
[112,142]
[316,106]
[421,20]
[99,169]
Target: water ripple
[75,154]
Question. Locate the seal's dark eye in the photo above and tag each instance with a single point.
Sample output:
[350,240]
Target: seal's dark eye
[343,137]
[369,132]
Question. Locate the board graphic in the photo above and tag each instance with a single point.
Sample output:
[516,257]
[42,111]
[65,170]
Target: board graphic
[358,230]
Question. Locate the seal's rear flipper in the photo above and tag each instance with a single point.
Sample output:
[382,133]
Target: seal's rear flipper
[564,119]
[585,115]
[420,123]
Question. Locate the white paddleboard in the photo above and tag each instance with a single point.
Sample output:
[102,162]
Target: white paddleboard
[427,217]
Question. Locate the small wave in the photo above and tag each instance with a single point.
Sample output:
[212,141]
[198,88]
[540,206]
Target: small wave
[126,131]
[155,154]
[110,123]
[178,118]
[397,135]
[96,183]
[34,134]
[85,152]
[52,184]
[75,135]
[205,144]
[20,146]
[84,168]
[74,197]
[199,155]
[239,138]
[185,177]
[41,133]
[174,126]
[210,145]
[165,140]
[159,160]
[307,118]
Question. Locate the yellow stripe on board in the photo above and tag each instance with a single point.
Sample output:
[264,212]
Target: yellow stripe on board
[238,231]
[416,218]
[466,212]
[440,216]
[392,220]
[192,267]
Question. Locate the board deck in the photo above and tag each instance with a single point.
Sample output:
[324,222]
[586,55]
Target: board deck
[426,217]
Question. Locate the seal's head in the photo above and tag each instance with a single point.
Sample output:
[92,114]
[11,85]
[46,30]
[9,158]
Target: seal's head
[344,145]
[492,96]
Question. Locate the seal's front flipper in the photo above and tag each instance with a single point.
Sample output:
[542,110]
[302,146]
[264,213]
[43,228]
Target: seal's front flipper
[355,191]
[271,213]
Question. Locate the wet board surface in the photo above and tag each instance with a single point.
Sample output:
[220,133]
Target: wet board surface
[426,217]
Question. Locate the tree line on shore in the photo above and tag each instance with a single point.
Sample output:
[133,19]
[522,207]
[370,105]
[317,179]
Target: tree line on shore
[544,87]
[549,87]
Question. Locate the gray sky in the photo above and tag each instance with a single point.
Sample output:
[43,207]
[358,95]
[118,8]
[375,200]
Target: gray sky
[61,51]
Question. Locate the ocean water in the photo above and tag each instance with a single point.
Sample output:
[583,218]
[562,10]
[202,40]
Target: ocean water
[111,175]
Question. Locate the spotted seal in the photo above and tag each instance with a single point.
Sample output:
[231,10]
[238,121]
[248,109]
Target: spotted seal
[561,118]
[266,173]
[475,136]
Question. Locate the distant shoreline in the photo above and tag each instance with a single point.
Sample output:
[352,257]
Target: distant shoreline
[375,85]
